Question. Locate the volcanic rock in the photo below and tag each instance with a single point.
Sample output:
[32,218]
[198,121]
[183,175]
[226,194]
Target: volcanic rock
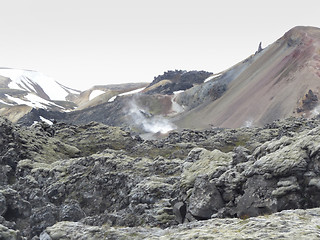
[88,180]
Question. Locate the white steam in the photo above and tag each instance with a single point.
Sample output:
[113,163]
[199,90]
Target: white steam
[149,123]
[315,111]
[248,123]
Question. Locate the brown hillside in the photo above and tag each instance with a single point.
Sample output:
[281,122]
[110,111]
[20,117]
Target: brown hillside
[274,86]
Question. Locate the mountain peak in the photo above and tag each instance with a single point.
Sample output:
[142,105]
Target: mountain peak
[301,35]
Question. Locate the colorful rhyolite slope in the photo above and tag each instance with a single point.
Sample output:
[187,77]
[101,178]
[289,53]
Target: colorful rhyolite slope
[281,81]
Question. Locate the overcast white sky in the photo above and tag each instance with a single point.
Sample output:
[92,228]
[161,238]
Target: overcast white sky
[82,43]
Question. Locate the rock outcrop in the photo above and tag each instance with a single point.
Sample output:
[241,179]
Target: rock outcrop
[94,181]
[177,80]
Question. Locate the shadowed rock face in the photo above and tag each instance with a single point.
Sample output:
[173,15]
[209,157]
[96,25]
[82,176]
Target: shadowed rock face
[98,178]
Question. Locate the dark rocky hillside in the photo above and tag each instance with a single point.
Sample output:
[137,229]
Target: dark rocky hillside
[94,181]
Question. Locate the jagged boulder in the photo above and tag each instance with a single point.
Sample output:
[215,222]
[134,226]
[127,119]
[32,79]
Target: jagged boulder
[205,199]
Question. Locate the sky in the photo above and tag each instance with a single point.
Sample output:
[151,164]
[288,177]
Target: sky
[82,43]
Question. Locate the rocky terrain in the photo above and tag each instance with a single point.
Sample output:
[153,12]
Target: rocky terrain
[177,80]
[156,161]
[94,181]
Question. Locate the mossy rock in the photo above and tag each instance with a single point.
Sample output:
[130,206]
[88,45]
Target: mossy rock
[205,162]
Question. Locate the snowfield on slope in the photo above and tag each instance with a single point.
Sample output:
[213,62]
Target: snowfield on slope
[33,101]
[126,93]
[27,80]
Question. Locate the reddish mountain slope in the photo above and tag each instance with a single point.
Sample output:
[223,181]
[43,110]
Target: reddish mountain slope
[281,81]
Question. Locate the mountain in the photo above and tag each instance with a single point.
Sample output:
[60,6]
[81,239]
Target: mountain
[35,83]
[276,82]
[280,81]
[23,91]
[139,107]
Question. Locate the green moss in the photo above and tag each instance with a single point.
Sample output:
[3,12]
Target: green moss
[207,163]
[165,218]
[230,145]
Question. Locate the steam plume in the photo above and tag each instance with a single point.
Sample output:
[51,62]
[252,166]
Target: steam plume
[149,123]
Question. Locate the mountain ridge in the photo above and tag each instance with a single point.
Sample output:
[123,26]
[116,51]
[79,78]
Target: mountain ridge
[269,88]
[276,82]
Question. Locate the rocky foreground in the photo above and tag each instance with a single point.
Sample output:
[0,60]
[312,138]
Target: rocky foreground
[99,182]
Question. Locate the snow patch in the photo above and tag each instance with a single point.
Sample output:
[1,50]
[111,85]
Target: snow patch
[178,92]
[95,93]
[213,76]
[131,92]
[126,93]
[113,98]
[36,99]
[3,102]
[46,120]
[33,101]
[22,102]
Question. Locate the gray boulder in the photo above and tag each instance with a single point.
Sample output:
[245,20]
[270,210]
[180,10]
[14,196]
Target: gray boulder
[205,199]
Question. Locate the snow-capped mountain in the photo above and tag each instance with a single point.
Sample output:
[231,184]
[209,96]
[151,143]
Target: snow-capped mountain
[36,83]
[24,90]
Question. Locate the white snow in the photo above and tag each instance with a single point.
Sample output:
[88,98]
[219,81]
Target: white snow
[126,93]
[113,98]
[22,102]
[46,120]
[36,99]
[33,101]
[213,76]
[131,92]
[3,102]
[178,92]
[95,93]
[26,80]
